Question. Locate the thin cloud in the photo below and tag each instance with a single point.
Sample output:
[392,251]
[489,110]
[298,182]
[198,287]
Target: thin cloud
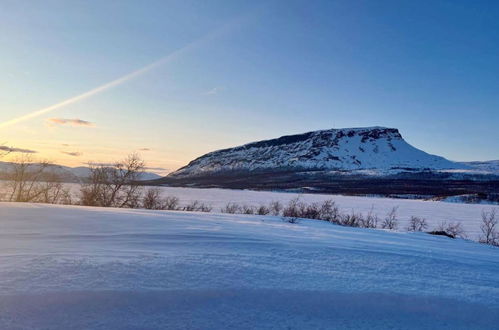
[156,169]
[213,91]
[222,30]
[12,149]
[144,149]
[72,153]
[71,122]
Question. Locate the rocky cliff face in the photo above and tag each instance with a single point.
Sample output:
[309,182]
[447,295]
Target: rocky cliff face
[367,149]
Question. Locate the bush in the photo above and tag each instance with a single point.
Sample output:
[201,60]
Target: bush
[293,209]
[275,208]
[391,221]
[417,224]
[248,209]
[197,206]
[231,208]
[330,212]
[262,210]
[370,221]
[171,203]
[352,220]
[152,199]
[452,229]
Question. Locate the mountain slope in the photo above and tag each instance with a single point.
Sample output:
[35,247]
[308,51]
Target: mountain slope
[349,149]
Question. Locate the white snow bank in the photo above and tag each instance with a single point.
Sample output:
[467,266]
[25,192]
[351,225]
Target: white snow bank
[469,215]
[95,268]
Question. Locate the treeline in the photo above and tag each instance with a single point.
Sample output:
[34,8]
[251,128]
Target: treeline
[117,185]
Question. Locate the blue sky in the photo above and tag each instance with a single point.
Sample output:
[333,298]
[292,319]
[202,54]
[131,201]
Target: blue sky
[247,70]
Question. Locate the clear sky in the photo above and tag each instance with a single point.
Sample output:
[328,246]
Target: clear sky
[214,74]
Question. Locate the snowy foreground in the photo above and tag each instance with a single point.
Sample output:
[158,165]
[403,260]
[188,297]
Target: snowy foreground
[66,267]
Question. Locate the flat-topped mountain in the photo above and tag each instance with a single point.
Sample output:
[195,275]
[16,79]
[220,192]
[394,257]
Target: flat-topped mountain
[378,149]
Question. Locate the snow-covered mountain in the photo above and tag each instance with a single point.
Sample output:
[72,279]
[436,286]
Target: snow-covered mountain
[377,149]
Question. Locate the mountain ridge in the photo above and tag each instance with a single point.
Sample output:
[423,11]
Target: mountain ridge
[345,149]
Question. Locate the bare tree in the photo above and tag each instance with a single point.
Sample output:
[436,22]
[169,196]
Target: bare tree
[30,181]
[391,221]
[417,224]
[489,228]
[116,185]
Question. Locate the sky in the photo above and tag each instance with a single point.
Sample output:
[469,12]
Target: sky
[92,81]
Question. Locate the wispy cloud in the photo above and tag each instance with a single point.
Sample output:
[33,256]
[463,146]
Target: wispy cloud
[224,29]
[12,149]
[156,169]
[144,149]
[71,122]
[72,153]
[214,91]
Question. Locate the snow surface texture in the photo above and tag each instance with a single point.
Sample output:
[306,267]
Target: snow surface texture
[469,215]
[368,148]
[66,267]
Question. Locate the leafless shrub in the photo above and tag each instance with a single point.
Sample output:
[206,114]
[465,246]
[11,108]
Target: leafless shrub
[231,208]
[275,208]
[370,220]
[330,212]
[114,186]
[262,210]
[248,209]
[390,221]
[310,211]
[453,229]
[293,209]
[352,220]
[197,206]
[152,199]
[489,228]
[417,224]
[171,203]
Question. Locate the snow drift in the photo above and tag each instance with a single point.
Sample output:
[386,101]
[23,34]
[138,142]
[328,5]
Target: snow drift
[75,267]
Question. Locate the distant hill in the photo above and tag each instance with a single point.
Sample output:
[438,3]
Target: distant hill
[68,174]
